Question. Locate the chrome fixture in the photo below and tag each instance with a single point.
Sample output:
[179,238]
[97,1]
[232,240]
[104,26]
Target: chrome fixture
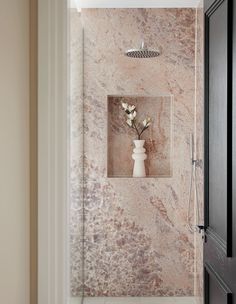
[142,52]
[195,163]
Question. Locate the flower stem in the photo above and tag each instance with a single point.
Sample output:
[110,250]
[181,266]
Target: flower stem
[145,128]
[139,135]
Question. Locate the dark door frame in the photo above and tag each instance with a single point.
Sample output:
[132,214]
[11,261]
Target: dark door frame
[219,253]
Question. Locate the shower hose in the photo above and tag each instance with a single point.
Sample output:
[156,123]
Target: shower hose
[193,185]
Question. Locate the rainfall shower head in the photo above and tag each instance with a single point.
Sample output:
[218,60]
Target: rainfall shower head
[142,52]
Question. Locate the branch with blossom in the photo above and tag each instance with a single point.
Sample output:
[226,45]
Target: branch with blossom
[131,113]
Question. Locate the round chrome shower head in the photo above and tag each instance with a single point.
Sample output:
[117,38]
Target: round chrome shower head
[142,52]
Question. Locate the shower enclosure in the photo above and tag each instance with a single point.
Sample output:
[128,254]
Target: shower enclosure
[130,240]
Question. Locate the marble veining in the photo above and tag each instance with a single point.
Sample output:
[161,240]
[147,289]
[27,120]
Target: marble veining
[137,241]
[199,125]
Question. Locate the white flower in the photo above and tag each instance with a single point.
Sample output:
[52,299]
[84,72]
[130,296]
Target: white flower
[131,108]
[147,122]
[129,122]
[125,105]
[132,115]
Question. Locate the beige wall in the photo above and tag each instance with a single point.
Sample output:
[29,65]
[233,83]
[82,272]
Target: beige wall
[14,152]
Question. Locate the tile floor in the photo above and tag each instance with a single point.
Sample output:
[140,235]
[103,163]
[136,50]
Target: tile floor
[135,300]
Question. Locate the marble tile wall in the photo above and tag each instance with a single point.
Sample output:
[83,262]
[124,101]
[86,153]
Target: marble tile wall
[75,112]
[137,241]
[199,125]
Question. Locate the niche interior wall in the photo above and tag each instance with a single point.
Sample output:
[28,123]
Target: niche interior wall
[137,241]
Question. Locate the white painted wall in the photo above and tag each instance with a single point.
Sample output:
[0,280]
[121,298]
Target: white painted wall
[14,152]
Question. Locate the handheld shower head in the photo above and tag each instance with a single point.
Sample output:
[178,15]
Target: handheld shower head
[193,187]
[191,147]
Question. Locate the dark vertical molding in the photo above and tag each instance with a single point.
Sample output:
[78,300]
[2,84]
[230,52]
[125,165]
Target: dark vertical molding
[33,11]
[210,9]
[229,126]
[234,129]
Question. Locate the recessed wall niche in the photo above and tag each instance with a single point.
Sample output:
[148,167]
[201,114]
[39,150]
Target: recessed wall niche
[157,137]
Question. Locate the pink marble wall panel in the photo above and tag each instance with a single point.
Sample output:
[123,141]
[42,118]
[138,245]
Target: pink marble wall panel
[157,137]
[75,113]
[199,125]
[137,241]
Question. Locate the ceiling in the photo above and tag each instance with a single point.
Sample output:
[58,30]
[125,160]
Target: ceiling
[133,3]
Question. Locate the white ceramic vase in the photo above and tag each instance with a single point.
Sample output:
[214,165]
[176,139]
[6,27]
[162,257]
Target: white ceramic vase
[139,157]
